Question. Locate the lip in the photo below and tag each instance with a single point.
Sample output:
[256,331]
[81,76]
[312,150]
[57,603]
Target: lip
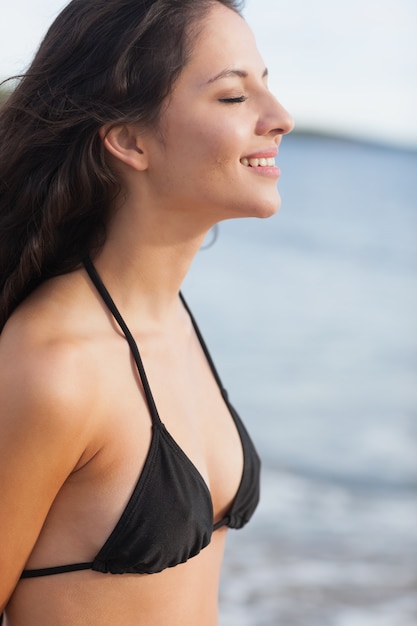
[263,154]
[268,172]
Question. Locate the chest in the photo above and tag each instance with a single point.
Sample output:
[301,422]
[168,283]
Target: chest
[197,421]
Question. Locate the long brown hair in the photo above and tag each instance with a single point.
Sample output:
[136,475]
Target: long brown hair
[101,62]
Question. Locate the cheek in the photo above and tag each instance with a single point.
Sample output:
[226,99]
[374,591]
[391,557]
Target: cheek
[201,159]
[208,144]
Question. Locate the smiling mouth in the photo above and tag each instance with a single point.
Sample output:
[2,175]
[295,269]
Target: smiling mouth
[269,162]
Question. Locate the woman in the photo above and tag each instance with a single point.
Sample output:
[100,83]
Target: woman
[138,127]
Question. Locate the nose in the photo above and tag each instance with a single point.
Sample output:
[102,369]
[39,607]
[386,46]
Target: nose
[275,119]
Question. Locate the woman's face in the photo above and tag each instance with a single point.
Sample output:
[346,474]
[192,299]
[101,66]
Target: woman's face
[221,129]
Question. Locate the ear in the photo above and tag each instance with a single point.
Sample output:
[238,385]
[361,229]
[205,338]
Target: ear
[123,142]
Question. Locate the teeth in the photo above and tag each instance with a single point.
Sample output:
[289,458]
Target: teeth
[270,162]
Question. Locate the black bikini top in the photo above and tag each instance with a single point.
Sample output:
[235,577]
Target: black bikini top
[169,517]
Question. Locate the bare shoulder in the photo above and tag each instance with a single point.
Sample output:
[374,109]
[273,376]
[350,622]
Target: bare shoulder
[47,423]
[42,385]
[44,369]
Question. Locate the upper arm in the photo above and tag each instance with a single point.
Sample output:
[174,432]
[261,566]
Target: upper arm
[43,434]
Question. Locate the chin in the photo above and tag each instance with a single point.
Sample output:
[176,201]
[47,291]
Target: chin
[257,207]
[268,213]
[268,208]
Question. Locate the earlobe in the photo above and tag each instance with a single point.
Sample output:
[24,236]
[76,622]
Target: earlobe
[122,142]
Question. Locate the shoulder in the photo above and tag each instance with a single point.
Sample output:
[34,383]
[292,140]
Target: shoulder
[44,374]
[48,425]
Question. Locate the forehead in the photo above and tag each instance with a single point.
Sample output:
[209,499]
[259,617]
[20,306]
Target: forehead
[224,42]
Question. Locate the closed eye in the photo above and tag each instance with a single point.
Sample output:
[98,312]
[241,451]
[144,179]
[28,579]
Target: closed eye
[233,100]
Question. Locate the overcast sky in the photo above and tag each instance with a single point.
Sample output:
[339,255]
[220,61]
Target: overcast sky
[336,65]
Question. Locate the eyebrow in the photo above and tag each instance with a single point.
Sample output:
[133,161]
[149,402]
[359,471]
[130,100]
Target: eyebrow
[229,72]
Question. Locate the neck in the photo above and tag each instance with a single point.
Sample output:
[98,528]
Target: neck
[143,267]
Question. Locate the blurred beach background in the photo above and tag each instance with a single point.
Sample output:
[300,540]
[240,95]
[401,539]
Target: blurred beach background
[311,317]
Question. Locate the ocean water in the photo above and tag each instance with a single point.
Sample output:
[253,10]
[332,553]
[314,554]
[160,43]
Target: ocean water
[312,320]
